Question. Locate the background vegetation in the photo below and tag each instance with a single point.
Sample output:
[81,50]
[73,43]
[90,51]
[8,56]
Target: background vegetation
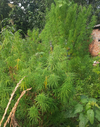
[55,61]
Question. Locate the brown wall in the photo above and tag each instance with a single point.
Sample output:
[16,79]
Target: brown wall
[94,47]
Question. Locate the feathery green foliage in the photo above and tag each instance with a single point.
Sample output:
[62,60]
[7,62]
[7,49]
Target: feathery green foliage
[60,83]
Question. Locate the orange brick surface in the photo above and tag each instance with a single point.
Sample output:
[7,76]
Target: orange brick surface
[94,47]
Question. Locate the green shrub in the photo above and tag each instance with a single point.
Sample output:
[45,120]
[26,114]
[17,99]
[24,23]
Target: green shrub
[61,84]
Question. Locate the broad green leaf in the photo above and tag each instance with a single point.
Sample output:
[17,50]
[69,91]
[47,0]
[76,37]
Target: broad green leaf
[84,100]
[70,114]
[88,106]
[97,115]
[92,99]
[83,120]
[90,115]
[78,108]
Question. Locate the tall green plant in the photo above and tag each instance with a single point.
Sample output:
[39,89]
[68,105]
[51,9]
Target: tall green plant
[69,25]
[57,81]
[46,73]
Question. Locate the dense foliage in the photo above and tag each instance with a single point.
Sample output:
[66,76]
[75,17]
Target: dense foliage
[23,15]
[58,67]
[4,11]
[27,14]
[95,6]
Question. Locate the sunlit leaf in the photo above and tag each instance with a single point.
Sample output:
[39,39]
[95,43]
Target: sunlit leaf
[90,115]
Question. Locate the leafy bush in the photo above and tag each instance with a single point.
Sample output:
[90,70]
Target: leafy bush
[61,84]
[46,73]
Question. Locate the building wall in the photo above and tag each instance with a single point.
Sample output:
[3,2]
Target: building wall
[94,47]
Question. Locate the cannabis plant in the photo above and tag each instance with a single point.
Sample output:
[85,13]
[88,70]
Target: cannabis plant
[56,65]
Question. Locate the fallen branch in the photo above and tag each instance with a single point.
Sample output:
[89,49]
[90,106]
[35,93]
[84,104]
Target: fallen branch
[12,113]
[10,100]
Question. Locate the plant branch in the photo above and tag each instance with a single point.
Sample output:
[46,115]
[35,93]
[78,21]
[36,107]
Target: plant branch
[10,100]
[12,113]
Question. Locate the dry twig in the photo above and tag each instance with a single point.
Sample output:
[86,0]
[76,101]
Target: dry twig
[10,100]
[12,113]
